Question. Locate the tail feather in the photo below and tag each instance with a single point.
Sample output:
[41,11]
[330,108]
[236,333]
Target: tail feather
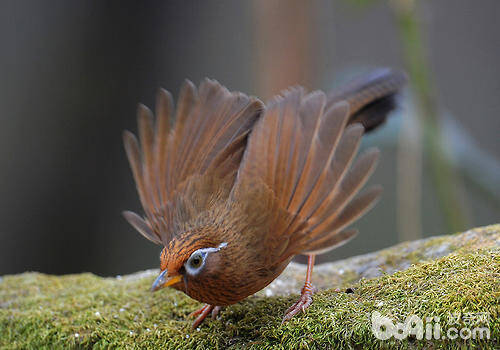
[371,97]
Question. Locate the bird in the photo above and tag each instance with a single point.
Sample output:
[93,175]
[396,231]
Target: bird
[233,189]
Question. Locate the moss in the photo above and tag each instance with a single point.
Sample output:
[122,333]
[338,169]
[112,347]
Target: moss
[39,311]
[422,250]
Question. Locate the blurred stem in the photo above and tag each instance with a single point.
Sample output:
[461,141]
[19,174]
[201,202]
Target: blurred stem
[284,44]
[409,180]
[446,179]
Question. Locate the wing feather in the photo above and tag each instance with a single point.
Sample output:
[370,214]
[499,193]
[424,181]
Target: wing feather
[141,226]
[301,151]
[331,241]
[327,135]
[354,180]
[164,110]
[182,169]
[338,166]
[147,140]
[135,159]
[352,211]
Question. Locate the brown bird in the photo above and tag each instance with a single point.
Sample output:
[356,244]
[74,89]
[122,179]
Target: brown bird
[234,189]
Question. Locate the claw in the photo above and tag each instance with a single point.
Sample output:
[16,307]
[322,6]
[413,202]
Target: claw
[301,305]
[203,312]
[199,311]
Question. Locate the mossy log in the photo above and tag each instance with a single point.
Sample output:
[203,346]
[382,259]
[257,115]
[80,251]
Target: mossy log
[437,277]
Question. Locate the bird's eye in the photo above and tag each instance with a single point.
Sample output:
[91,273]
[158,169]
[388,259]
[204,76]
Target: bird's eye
[196,260]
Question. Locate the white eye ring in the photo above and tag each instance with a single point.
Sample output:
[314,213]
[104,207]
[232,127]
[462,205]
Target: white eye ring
[196,261]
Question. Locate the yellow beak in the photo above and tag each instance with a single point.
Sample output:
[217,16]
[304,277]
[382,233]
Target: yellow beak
[163,281]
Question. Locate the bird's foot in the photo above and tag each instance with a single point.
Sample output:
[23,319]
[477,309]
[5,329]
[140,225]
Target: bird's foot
[302,304]
[203,312]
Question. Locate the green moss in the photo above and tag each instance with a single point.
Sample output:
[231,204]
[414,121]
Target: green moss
[419,251]
[38,311]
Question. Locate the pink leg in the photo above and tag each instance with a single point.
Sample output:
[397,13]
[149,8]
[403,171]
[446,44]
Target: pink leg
[306,294]
[203,312]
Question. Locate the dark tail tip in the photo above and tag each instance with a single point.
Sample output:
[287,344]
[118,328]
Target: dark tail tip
[372,96]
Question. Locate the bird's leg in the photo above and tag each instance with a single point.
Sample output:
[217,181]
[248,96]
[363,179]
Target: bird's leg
[306,294]
[203,312]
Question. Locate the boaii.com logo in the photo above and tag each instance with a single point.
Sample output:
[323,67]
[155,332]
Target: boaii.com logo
[384,328]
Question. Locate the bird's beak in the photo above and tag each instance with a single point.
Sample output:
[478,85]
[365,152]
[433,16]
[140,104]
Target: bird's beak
[163,281]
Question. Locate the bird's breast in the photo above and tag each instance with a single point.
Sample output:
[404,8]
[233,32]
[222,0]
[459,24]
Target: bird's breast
[234,286]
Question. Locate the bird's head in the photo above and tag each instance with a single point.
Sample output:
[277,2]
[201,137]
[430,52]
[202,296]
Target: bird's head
[186,264]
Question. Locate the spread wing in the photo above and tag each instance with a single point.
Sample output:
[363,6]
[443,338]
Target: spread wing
[299,168]
[180,168]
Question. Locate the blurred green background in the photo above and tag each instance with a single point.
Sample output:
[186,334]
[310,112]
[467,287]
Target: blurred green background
[72,73]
